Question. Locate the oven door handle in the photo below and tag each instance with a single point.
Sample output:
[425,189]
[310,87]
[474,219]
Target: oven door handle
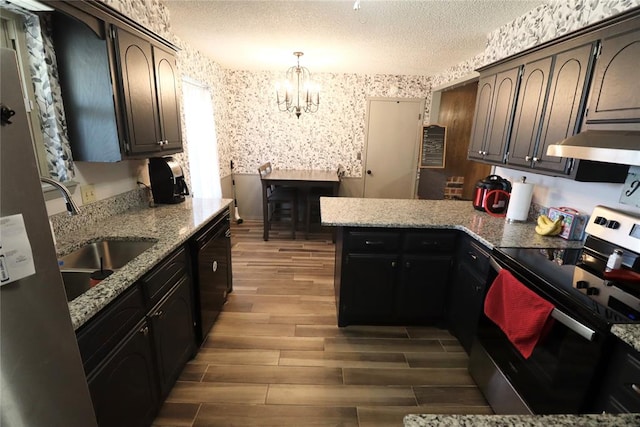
[568,321]
[571,323]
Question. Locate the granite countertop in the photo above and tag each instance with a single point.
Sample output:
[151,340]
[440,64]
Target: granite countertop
[168,225]
[493,232]
[453,214]
[607,420]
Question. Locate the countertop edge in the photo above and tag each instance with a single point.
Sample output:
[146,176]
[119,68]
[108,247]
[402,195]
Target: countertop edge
[168,239]
[560,420]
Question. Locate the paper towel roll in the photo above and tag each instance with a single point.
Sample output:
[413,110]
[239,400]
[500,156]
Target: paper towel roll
[519,202]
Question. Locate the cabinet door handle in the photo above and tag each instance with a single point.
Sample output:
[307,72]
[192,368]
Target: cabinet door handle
[407,264]
[145,331]
[214,266]
[480,152]
[227,233]
[393,264]
[373,242]
[535,160]
[635,388]
[527,158]
[159,143]
[472,256]
[158,313]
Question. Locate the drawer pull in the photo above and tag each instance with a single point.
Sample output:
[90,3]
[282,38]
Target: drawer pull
[214,266]
[393,264]
[635,388]
[373,242]
[472,256]
[158,313]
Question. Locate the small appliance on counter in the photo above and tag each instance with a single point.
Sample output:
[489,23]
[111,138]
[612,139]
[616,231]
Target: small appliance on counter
[500,189]
[167,180]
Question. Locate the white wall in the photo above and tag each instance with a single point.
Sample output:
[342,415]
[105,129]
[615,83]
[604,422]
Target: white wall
[109,179]
[583,196]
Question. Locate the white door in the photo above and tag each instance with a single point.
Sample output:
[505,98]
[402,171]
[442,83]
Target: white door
[393,144]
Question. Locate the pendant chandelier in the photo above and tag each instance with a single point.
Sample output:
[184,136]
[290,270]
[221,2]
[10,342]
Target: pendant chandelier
[300,93]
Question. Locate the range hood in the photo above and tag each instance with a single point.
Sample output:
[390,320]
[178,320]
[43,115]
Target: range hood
[621,147]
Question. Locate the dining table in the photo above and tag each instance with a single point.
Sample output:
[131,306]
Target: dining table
[303,180]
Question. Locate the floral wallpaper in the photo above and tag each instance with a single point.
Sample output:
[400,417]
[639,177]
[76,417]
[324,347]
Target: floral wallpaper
[546,22]
[322,140]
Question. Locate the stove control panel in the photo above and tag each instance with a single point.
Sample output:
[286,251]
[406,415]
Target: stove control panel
[617,227]
[607,294]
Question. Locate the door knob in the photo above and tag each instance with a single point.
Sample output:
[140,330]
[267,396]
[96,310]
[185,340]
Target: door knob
[368,171]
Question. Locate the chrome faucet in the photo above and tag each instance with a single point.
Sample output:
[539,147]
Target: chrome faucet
[71,205]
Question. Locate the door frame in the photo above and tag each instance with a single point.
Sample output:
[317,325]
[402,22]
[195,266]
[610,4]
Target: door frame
[420,122]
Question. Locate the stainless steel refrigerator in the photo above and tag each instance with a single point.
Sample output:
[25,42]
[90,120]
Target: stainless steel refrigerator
[42,381]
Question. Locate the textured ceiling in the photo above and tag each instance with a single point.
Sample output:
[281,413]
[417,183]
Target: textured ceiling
[382,37]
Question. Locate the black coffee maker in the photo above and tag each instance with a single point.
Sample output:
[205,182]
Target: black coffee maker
[167,180]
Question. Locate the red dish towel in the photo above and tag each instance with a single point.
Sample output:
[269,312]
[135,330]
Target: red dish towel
[518,311]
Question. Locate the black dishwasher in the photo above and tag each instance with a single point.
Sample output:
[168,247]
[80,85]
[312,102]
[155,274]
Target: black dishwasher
[212,269]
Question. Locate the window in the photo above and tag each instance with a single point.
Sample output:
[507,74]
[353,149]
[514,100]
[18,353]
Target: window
[201,140]
[29,35]
[13,37]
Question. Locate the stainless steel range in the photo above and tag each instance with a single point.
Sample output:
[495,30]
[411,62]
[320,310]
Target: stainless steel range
[560,376]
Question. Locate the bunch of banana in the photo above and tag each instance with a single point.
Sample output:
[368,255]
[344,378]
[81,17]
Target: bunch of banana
[548,227]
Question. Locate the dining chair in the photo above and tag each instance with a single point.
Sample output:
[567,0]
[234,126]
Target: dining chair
[278,202]
[312,205]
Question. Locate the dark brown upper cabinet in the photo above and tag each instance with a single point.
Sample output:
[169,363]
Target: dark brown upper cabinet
[127,77]
[495,105]
[614,102]
[550,107]
[149,92]
[594,66]
[526,124]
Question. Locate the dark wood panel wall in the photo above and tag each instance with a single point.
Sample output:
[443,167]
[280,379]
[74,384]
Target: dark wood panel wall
[456,113]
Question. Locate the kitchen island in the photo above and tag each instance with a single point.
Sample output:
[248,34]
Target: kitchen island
[438,214]
[358,215]
[169,226]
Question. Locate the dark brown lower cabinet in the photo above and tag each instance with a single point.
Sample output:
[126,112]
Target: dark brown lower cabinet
[466,294]
[620,390]
[368,288]
[392,276]
[134,350]
[423,287]
[124,388]
[173,333]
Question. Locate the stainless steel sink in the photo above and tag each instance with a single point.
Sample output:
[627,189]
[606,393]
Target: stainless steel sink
[114,254]
[76,282]
[76,267]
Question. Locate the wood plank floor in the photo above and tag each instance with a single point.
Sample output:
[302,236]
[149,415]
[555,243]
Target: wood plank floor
[275,357]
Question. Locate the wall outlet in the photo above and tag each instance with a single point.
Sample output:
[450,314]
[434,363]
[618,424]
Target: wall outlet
[88,193]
